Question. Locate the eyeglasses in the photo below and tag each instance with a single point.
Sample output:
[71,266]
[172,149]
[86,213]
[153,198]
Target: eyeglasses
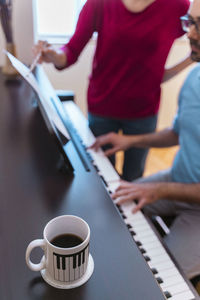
[188,21]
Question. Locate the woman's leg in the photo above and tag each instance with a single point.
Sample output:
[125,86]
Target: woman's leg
[101,125]
[134,158]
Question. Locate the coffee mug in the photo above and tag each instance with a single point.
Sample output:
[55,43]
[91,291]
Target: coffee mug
[66,262]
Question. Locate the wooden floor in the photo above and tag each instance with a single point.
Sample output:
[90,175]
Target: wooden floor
[157,160]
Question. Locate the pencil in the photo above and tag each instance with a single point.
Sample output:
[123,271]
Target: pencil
[34,63]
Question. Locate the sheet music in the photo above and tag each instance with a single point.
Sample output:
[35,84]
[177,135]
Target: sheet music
[30,78]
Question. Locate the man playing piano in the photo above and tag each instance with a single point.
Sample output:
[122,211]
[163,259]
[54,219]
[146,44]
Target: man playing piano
[174,192]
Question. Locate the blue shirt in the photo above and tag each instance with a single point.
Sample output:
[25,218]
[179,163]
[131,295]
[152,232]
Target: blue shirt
[186,166]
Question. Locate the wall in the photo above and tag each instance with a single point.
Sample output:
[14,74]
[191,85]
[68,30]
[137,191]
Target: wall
[22,30]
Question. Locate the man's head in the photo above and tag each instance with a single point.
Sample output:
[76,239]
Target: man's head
[194,29]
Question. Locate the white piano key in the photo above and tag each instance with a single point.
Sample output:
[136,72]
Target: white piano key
[71,274]
[151,245]
[136,223]
[148,239]
[171,281]
[187,295]
[162,265]
[127,206]
[178,288]
[135,217]
[112,186]
[128,211]
[159,259]
[61,275]
[56,271]
[140,228]
[86,258]
[155,251]
[67,274]
[141,235]
[76,270]
[82,268]
[166,274]
[76,273]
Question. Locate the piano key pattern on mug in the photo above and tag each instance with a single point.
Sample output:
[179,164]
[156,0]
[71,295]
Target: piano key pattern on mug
[70,267]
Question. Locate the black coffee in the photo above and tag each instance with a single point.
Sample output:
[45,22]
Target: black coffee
[66,240]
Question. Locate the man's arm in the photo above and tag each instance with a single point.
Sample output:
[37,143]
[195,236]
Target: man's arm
[147,193]
[173,71]
[164,138]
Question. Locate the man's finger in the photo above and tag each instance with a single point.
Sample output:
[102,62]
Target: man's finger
[111,151]
[139,206]
[124,185]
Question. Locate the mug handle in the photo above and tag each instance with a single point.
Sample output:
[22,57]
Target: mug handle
[36,243]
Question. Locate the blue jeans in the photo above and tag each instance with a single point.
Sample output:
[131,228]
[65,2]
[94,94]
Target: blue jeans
[134,158]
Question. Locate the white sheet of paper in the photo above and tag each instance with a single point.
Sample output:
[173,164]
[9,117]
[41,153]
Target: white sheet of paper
[30,78]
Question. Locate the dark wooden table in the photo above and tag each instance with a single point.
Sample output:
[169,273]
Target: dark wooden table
[33,191]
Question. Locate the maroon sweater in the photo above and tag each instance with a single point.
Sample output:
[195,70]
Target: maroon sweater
[130,55]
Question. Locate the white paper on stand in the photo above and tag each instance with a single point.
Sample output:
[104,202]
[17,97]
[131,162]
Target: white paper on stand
[30,78]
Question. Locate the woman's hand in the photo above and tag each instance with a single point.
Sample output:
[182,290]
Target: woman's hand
[49,54]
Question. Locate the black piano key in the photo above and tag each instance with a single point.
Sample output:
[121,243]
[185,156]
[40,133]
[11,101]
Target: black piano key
[132,232]
[79,259]
[129,226]
[142,250]
[97,169]
[154,271]
[159,280]
[90,157]
[147,258]
[74,261]
[123,216]
[104,181]
[83,257]
[119,208]
[167,295]
[138,243]
[58,261]
[63,263]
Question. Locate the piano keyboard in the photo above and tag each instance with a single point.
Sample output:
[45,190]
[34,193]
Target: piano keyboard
[164,270]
